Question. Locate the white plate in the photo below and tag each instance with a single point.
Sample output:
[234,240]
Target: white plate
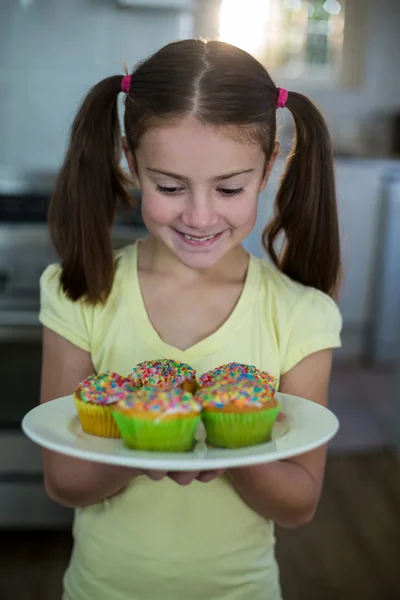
[304,426]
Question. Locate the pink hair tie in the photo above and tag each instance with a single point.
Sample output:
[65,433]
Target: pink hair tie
[282,98]
[126,84]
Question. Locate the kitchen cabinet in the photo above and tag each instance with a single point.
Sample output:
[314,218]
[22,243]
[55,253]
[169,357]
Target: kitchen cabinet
[359,191]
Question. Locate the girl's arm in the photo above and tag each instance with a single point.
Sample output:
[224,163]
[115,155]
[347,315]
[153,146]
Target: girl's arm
[288,491]
[70,481]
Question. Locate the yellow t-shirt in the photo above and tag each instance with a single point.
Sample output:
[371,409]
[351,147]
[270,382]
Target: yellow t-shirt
[157,540]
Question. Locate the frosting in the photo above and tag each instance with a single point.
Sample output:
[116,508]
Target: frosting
[105,388]
[160,401]
[162,373]
[234,372]
[242,394]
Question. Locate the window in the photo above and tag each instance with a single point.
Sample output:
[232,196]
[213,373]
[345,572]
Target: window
[293,38]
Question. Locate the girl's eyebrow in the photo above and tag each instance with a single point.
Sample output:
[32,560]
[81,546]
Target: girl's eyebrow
[183,178]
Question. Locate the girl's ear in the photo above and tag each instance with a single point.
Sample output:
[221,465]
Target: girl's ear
[130,159]
[269,165]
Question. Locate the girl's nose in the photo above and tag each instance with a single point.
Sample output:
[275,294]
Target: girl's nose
[200,214]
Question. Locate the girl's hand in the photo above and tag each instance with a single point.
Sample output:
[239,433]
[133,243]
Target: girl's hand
[184,477]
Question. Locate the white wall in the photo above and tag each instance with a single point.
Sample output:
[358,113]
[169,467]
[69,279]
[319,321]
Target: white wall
[379,92]
[51,53]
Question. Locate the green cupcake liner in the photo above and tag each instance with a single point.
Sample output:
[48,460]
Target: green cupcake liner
[237,430]
[163,436]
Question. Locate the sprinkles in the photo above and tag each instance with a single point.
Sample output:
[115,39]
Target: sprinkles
[234,372]
[160,388]
[162,373]
[160,401]
[244,394]
[105,389]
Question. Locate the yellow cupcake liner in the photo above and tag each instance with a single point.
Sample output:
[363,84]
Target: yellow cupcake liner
[97,420]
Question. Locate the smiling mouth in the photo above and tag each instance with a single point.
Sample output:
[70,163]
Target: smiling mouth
[198,240]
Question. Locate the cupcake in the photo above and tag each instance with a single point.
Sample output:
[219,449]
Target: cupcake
[165,374]
[239,414]
[95,399]
[233,372]
[158,419]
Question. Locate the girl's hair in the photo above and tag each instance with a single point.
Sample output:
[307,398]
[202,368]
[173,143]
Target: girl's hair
[218,84]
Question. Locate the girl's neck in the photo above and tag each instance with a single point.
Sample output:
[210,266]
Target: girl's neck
[155,257]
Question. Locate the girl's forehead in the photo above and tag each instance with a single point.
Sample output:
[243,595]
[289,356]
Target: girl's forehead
[189,137]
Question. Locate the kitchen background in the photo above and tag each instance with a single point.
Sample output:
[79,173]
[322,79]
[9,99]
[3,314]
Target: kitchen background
[345,54]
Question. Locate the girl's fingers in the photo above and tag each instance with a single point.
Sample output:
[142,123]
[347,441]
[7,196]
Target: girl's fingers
[156,475]
[206,476]
[184,477]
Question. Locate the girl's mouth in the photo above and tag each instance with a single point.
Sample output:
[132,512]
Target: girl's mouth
[193,240]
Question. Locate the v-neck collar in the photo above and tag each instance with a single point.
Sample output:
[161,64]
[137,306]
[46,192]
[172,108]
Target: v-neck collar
[209,344]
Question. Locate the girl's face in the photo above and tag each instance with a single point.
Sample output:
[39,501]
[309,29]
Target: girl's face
[199,189]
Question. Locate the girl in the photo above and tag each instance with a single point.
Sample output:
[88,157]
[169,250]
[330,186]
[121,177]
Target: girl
[200,123]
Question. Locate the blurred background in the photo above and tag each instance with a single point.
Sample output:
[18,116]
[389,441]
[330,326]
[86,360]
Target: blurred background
[345,55]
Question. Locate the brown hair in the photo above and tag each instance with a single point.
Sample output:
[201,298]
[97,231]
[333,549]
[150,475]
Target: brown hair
[221,85]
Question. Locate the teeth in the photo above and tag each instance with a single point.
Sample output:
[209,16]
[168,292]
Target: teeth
[198,239]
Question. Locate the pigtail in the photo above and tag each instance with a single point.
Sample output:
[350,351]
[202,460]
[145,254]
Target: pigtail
[305,206]
[88,188]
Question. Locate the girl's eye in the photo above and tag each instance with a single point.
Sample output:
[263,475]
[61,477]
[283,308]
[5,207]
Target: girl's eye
[170,191]
[230,192]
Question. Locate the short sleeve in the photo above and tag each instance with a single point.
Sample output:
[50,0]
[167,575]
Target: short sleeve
[315,325]
[68,319]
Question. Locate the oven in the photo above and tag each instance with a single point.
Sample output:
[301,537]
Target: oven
[25,251]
